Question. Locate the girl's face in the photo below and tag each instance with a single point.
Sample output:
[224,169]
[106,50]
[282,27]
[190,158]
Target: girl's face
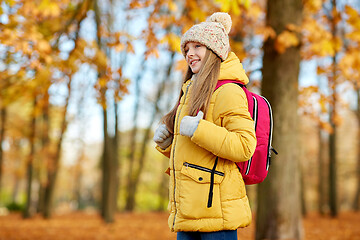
[194,53]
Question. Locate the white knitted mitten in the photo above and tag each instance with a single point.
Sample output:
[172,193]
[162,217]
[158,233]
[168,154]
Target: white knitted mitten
[189,124]
[162,136]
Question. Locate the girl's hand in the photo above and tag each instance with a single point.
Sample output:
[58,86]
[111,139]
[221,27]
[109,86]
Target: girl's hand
[162,136]
[189,124]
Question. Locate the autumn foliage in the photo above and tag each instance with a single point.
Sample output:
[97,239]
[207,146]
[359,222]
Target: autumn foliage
[64,63]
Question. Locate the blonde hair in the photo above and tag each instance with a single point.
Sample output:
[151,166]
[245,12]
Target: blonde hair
[201,91]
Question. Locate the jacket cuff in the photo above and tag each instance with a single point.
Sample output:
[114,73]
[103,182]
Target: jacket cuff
[165,152]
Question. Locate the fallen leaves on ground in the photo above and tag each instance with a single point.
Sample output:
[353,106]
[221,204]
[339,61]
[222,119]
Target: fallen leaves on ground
[138,226]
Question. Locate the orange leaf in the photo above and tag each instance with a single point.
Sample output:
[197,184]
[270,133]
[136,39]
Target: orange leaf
[181,65]
[326,126]
[285,40]
[267,32]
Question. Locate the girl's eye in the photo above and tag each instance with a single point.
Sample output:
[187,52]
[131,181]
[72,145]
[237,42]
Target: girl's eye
[198,45]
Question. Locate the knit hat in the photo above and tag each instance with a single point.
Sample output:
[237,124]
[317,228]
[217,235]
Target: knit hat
[213,34]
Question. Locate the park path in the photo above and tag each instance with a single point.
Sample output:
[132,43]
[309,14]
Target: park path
[141,226]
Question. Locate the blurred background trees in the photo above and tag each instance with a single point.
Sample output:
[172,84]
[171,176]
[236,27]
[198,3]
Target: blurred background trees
[84,83]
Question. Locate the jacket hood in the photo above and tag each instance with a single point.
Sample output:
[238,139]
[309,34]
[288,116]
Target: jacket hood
[232,69]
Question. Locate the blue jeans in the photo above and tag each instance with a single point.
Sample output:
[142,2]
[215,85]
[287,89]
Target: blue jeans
[221,235]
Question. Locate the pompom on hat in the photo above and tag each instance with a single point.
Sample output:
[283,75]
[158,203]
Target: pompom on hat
[213,34]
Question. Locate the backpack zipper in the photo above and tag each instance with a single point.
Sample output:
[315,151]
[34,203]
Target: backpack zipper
[255,118]
[270,138]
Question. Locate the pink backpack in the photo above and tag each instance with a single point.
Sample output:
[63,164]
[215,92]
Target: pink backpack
[256,168]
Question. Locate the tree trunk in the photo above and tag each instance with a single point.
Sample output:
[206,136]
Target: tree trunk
[15,191]
[109,160]
[332,169]
[105,205]
[145,141]
[79,174]
[116,160]
[356,204]
[333,135]
[52,172]
[29,164]
[130,199]
[45,141]
[53,169]
[322,166]
[78,180]
[304,210]
[17,178]
[279,202]
[321,174]
[109,175]
[2,134]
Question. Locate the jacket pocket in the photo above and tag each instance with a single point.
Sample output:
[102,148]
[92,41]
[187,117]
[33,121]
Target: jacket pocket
[194,192]
[201,174]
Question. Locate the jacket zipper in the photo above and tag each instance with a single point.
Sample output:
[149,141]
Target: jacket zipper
[186,164]
[186,92]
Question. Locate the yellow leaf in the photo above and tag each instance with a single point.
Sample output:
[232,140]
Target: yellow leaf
[172,6]
[11,3]
[197,13]
[100,59]
[173,41]
[355,36]
[285,40]
[351,12]
[247,4]
[130,48]
[126,81]
[119,47]
[235,8]
[135,4]
[238,49]
[102,82]
[337,44]
[35,64]
[293,27]
[225,5]
[49,9]
[313,5]
[152,52]
[324,48]
[43,75]
[320,70]
[254,11]
[44,46]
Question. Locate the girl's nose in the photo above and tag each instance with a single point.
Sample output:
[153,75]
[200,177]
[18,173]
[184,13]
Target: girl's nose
[190,52]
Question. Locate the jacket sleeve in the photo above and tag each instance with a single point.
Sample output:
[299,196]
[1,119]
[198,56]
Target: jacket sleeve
[235,138]
[165,152]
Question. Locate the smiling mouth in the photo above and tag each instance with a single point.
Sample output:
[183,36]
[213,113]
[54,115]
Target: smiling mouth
[193,62]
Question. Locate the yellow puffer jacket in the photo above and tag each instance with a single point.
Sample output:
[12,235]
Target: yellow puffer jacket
[227,132]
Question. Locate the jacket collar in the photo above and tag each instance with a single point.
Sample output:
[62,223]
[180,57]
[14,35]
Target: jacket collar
[232,69]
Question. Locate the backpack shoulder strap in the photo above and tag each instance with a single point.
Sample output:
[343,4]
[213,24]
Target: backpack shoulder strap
[222,82]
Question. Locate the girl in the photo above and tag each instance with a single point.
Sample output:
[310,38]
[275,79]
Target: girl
[205,134]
